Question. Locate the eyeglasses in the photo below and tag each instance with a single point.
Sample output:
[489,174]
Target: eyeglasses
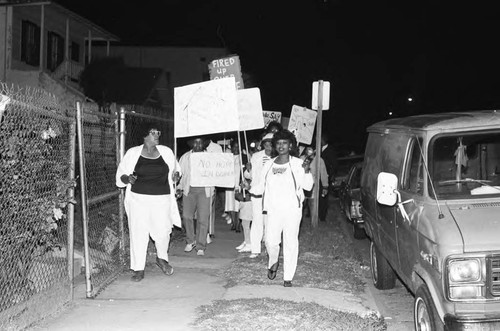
[155,132]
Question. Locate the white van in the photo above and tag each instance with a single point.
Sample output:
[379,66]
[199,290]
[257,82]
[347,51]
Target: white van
[430,193]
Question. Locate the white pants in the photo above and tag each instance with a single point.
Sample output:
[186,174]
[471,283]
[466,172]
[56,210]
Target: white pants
[148,216]
[286,222]
[258,225]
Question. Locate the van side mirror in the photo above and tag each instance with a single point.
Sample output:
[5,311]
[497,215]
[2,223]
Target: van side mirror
[387,184]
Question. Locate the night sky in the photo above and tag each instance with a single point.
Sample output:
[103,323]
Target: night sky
[376,54]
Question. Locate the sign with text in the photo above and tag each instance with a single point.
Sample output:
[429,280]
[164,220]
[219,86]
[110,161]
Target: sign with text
[227,67]
[270,116]
[250,109]
[212,169]
[205,108]
[302,122]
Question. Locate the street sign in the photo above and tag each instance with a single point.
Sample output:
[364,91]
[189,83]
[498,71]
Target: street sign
[325,91]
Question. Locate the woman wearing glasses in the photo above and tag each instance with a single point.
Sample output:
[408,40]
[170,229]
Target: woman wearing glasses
[149,172]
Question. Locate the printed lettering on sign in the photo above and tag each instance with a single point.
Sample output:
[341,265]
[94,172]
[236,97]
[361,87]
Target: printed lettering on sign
[227,67]
[270,116]
[212,169]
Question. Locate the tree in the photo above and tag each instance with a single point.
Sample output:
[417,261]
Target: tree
[101,79]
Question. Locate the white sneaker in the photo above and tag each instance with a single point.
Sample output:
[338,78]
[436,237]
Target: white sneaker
[254,255]
[189,247]
[245,249]
[241,246]
[200,252]
[209,240]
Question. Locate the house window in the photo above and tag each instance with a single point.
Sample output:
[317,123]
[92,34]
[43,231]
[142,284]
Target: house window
[55,50]
[75,52]
[30,43]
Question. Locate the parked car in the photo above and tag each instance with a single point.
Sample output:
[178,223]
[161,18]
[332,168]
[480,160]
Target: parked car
[350,200]
[344,164]
[430,192]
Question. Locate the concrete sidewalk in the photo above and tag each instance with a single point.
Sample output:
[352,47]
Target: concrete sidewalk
[161,302]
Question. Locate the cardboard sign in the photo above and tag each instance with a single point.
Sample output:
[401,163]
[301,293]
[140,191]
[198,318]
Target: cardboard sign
[206,108]
[302,122]
[212,169]
[250,109]
[227,67]
[270,116]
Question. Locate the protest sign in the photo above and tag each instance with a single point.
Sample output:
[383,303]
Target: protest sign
[227,67]
[270,116]
[250,109]
[212,169]
[302,122]
[205,108]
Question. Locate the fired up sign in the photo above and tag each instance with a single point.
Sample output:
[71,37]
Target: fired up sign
[227,67]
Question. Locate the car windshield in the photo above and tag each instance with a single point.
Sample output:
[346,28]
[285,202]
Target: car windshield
[466,165]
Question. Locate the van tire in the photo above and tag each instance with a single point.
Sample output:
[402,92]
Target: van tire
[383,276]
[425,315]
[358,231]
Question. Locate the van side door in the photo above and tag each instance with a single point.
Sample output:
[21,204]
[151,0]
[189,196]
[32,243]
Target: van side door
[412,188]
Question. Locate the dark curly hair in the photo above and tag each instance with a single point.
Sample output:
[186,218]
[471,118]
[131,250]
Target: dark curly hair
[286,135]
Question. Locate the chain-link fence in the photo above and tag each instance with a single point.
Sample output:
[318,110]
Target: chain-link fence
[43,150]
[102,229]
[35,177]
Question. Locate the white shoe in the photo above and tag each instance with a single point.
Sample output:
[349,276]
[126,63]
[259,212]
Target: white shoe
[200,252]
[241,246]
[245,249]
[229,220]
[189,247]
[209,240]
[254,255]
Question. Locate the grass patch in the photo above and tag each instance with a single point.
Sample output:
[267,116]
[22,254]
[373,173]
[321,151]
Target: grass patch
[326,261]
[272,314]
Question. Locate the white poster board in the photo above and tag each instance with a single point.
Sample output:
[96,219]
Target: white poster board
[212,169]
[270,116]
[205,108]
[301,124]
[250,109]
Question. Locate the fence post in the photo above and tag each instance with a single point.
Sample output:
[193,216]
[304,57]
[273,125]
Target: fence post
[83,189]
[71,206]
[121,152]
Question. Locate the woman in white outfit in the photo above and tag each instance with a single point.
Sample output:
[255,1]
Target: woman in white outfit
[149,172]
[257,162]
[282,184]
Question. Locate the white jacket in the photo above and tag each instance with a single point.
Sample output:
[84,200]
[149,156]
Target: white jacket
[303,181]
[127,166]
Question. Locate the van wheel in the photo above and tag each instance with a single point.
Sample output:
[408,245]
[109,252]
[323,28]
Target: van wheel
[358,231]
[382,274]
[425,315]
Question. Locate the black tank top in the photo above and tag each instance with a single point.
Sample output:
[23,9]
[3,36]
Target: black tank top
[152,176]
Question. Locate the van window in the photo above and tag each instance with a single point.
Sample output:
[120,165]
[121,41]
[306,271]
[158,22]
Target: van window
[413,179]
[465,165]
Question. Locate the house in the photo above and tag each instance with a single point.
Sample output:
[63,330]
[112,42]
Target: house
[46,46]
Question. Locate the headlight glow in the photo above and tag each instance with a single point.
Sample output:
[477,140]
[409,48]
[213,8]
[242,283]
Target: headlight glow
[464,270]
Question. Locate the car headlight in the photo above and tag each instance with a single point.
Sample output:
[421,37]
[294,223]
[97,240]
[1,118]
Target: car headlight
[460,271]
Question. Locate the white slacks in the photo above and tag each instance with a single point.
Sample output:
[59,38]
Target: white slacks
[148,216]
[286,222]
[257,227]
